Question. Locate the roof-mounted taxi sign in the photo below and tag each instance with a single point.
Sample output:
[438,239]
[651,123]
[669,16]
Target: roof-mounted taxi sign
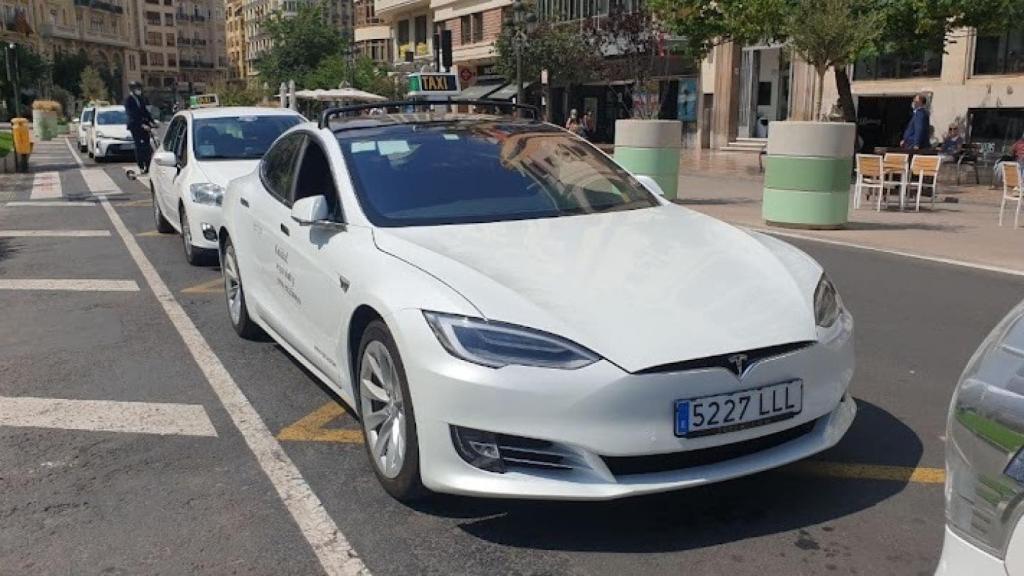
[203,101]
[433,84]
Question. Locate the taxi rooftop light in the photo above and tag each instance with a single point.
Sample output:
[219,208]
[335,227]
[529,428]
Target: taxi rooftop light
[401,105]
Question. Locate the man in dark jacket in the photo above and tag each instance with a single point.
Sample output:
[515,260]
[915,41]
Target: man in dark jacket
[916,136]
[140,123]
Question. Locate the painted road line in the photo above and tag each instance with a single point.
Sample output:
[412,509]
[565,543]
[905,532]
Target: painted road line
[54,233]
[106,416]
[99,182]
[332,549]
[46,204]
[937,259]
[46,186]
[215,286]
[151,233]
[74,152]
[311,428]
[872,472]
[64,284]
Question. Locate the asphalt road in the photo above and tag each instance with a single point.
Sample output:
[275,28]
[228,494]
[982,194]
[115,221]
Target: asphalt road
[88,501]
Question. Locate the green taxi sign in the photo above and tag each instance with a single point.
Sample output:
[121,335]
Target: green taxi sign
[433,84]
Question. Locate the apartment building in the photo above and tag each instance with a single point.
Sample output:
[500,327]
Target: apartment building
[238,66]
[256,12]
[202,43]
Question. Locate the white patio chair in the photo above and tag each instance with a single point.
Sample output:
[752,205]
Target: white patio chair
[895,164]
[870,176]
[1011,190]
[922,167]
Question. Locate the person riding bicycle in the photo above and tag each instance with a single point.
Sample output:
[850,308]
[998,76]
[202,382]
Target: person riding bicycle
[140,124]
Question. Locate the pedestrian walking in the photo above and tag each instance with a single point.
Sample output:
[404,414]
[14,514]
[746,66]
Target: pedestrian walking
[916,136]
[140,124]
[589,126]
[575,124]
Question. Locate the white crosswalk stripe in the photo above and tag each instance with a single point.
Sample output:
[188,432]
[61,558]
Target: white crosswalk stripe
[46,186]
[48,204]
[99,182]
[54,233]
[71,285]
[106,416]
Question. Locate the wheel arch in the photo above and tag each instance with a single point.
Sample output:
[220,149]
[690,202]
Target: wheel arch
[363,315]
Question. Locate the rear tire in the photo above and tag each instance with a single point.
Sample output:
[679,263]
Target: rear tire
[194,255]
[238,311]
[162,225]
[387,415]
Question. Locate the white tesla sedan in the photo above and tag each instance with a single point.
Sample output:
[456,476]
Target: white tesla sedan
[512,314]
[985,459]
[201,151]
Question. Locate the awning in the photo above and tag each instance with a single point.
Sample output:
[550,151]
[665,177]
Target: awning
[478,91]
[508,91]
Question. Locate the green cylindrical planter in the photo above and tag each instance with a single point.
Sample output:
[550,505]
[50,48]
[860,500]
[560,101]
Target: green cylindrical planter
[807,174]
[651,148]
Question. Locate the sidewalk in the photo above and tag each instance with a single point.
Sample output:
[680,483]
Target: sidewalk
[728,186]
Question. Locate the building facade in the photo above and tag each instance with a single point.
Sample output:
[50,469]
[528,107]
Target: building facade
[235,28]
[255,13]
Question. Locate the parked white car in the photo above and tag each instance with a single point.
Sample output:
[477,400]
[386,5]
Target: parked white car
[84,128]
[109,136]
[985,459]
[201,151]
[512,314]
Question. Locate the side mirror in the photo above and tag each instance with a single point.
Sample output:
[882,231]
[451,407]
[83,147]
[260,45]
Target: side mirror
[651,184]
[310,210]
[165,159]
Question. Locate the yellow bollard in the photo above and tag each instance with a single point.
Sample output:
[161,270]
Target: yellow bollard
[22,143]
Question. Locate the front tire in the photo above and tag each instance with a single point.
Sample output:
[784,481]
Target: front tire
[238,311]
[194,255]
[162,225]
[387,415]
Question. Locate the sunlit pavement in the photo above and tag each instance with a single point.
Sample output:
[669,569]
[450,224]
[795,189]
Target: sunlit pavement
[119,454]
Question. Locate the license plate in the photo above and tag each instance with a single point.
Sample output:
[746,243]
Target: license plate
[730,412]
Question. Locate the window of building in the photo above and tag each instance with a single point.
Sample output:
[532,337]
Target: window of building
[1000,54]
[894,66]
[421,30]
[472,28]
[403,32]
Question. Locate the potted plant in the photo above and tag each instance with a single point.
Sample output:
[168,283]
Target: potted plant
[44,118]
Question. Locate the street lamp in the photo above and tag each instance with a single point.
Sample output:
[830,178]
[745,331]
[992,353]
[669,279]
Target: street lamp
[11,59]
[521,21]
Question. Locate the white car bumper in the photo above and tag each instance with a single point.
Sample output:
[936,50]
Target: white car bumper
[610,431]
[106,147]
[960,557]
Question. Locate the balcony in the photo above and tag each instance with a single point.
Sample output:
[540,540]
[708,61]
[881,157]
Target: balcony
[195,64]
[364,34]
[101,5]
[384,7]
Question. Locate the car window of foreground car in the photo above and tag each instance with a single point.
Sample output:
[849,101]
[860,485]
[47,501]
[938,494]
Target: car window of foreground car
[238,137]
[112,117]
[459,172]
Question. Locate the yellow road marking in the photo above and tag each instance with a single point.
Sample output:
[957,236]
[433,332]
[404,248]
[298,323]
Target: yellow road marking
[310,428]
[872,472]
[215,286]
[151,233]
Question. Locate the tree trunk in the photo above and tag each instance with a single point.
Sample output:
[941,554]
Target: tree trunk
[819,95]
[845,94]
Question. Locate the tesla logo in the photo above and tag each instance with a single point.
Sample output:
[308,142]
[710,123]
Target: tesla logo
[739,361]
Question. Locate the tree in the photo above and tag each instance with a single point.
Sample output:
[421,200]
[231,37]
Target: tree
[300,45]
[92,85]
[67,70]
[569,56]
[902,26]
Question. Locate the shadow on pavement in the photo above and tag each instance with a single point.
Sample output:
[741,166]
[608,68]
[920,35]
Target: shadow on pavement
[7,249]
[759,505]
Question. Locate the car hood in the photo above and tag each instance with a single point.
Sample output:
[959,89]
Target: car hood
[220,172]
[642,288]
[113,131]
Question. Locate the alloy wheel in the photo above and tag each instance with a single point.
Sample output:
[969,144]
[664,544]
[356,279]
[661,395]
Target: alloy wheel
[232,285]
[383,409]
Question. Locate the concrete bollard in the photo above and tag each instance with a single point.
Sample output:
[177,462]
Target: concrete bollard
[807,174]
[651,148]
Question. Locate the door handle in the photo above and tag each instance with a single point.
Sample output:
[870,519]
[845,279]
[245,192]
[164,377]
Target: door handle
[285,230]
[244,202]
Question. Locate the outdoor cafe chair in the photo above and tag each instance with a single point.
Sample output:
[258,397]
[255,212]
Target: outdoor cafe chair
[922,167]
[896,164]
[1011,190]
[870,176]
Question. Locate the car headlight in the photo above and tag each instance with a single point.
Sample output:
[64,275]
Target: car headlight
[207,193]
[985,441]
[496,344]
[827,305]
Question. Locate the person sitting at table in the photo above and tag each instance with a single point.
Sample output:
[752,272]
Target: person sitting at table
[952,144]
[1016,155]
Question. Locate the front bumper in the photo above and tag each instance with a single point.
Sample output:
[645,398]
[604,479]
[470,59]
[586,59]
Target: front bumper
[107,147]
[960,557]
[600,416]
[205,219]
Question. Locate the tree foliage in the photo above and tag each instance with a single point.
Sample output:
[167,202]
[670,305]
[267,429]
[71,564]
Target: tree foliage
[92,85]
[300,44]
[569,56]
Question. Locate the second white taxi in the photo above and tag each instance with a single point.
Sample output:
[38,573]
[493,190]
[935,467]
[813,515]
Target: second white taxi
[109,136]
[201,151]
[512,314]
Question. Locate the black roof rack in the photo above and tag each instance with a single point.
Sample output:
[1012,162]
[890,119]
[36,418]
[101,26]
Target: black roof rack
[339,111]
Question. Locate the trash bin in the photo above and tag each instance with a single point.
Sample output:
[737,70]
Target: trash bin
[22,143]
[807,174]
[651,148]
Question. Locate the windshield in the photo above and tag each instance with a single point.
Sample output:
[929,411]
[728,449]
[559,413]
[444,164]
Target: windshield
[112,117]
[239,137]
[87,116]
[482,171]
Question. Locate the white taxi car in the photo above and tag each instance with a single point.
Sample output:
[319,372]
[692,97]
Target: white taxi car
[84,126]
[512,314]
[201,151]
[109,136]
[985,459]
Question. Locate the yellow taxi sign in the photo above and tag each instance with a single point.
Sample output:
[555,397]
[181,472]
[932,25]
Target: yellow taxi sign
[203,101]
